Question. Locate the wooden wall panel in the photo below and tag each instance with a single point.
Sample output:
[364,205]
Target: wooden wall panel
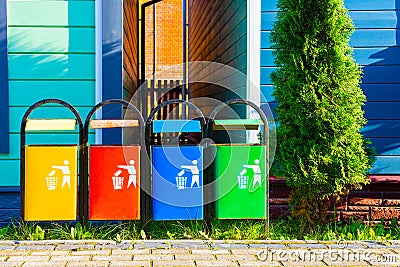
[130,47]
[218,33]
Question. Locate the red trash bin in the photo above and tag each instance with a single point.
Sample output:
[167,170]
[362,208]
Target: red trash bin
[114,182]
[113,175]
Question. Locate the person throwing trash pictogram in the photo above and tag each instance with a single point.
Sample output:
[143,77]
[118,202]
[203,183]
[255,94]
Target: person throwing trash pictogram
[256,170]
[131,171]
[195,172]
[66,173]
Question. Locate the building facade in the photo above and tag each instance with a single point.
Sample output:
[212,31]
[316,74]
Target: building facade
[85,51]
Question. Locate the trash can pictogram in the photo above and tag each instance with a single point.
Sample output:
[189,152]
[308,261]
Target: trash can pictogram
[241,183]
[114,170]
[177,170]
[49,172]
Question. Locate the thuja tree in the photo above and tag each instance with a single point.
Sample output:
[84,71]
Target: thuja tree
[321,151]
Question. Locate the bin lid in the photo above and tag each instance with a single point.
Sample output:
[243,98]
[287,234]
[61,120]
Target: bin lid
[98,124]
[50,124]
[173,126]
[237,124]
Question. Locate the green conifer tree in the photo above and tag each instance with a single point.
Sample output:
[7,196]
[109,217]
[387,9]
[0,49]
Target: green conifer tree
[321,151]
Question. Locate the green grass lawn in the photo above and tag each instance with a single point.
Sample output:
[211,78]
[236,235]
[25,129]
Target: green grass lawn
[282,229]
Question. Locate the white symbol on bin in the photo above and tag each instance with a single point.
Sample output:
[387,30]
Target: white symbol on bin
[195,173]
[52,181]
[181,180]
[131,171]
[118,181]
[243,180]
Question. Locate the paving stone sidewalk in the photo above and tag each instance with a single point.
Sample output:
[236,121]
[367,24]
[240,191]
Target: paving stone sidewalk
[198,253]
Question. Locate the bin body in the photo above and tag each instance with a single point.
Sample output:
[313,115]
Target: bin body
[240,182]
[177,184]
[50,182]
[114,184]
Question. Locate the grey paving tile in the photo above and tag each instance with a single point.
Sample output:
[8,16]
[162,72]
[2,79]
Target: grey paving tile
[346,263]
[50,253]
[87,264]
[228,246]
[74,247]
[206,257]
[170,251]
[44,264]
[30,242]
[79,242]
[152,244]
[292,241]
[70,258]
[373,244]
[7,243]
[130,263]
[130,251]
[14,252]
[264,246]
[306,246]
[348,246]
[125,244]
[10,264]
[216,263]
[237,257]
[210,251]
[153,257]
[303,263]
[259,263]
[112,258]
[174,263]
[113,246]
[35,247]
[249,251]
[28,258]
[396,246]
[7,247]
[94,252]
[190,244]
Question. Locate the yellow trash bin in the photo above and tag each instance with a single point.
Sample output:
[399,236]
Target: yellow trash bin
[50,182]
[49,172]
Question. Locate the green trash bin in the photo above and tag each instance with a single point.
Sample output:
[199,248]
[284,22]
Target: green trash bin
[241,170]
[241,187]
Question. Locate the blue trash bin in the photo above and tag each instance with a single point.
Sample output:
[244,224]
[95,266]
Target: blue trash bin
[177,170]
[177,182]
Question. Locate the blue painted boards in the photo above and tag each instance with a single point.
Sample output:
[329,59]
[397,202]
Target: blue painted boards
[377,49]
[177,189]
[171,126]
[112,65]
[4,105]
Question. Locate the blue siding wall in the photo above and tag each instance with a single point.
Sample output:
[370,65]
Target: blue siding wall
[4,113]
[376,43]
[51,54]
[112,65]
